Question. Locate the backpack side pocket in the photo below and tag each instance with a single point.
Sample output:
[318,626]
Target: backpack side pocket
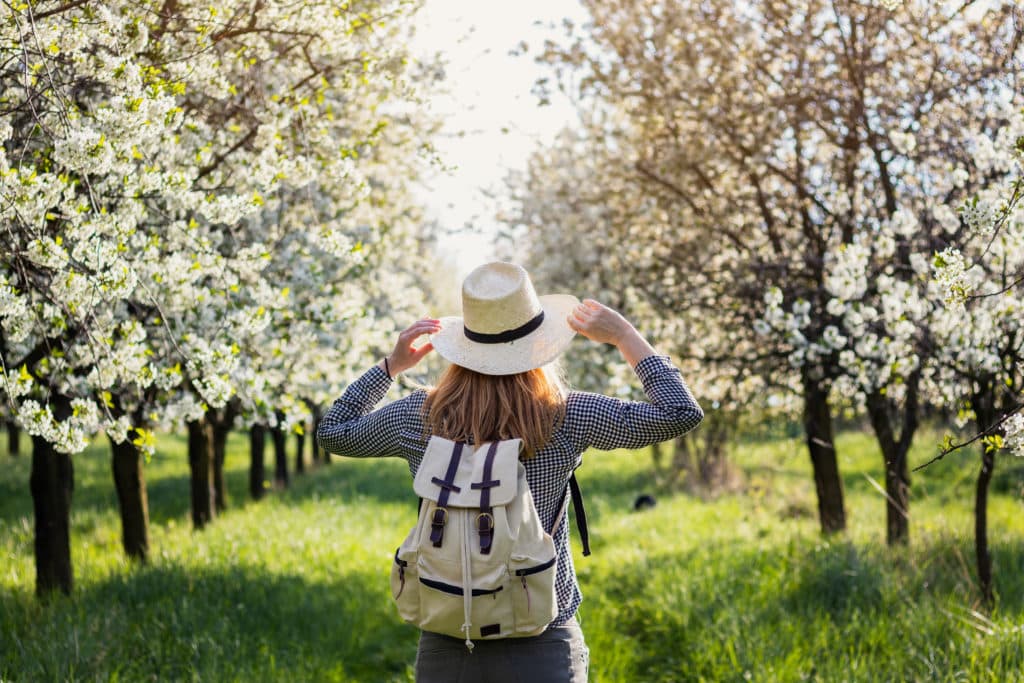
[533,594]
[405,585]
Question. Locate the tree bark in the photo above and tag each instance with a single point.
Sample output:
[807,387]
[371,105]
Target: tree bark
[257,470]
[200,464]
[314,454]
[985,416]
[130,483]
[300,446]
[280,458]
[52,483]
[821,446]
[13,438]
[220,429]
[984,558]
[658,461]
[317,416]
[220,421]
[894,453]
[897,506]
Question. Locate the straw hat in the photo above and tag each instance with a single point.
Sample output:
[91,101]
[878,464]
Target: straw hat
[505,327]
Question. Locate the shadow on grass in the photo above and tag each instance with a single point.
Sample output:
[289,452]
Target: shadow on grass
[167,483]
[172,623]
[15,499]
[1008,478]
[169,496]
[383,480]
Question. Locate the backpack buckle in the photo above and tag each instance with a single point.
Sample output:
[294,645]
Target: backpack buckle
[484,522]
[437,522]
[485,526]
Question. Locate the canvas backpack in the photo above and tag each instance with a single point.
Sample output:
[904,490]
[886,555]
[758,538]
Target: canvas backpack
[478,563]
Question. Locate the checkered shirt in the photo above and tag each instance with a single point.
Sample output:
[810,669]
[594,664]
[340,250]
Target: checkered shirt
[353,428]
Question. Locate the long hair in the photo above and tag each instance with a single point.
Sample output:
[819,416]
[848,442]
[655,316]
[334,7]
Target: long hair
[470,406]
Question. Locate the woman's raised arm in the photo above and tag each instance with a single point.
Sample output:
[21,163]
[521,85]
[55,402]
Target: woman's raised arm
[351,426]
[608,423]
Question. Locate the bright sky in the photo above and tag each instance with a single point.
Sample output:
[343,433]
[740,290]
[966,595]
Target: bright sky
[491,119]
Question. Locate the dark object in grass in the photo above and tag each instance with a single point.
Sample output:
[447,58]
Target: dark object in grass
[643,502]
[795,510]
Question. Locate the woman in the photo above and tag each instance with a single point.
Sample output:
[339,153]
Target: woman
[500,386]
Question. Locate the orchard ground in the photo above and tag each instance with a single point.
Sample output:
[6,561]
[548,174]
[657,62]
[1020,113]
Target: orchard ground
[739,587]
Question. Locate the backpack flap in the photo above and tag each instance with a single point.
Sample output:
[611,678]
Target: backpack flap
[457,475]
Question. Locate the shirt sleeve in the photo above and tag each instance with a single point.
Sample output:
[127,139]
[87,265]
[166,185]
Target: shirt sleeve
[608,423]
[353,428]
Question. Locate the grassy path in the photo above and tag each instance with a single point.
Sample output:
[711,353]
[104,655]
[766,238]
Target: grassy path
[294,588]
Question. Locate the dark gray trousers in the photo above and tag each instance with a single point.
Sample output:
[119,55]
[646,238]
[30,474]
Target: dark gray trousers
[559,655]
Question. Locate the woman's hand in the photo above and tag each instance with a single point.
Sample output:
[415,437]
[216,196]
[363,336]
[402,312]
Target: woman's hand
[597,322]
[405,355]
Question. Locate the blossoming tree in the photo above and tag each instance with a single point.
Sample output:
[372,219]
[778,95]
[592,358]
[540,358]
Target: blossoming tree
[983,338]
[752,142]
[571,228]
[162,164]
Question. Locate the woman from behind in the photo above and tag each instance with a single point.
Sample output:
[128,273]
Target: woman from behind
[502,384]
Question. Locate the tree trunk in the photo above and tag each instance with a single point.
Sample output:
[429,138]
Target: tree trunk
[820,444]
[712,461]
[13,438]
[314,447]
[317,451]
[985,417]
[700,459]
[220,430]
[52,483]
[894,453]
[280,458]
[257,471]
[658,460]
[988,463]
[200,464]
[130,484]
[897,491]
[300,446]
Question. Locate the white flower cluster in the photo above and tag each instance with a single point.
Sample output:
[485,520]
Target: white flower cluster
[1013,434]
[847,277]
[70,435]
[979,215]
[14,316]
[950,271]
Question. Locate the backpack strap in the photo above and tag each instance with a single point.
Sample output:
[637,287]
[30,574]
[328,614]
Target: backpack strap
[447,484]
[581,513]
[485,520]
[577,507]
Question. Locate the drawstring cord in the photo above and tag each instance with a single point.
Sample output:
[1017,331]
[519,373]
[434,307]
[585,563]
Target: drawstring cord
[467,581]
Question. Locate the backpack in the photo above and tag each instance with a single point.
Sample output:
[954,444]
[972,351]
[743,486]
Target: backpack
[478,563]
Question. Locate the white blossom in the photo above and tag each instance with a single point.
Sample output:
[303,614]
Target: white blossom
[1013,439]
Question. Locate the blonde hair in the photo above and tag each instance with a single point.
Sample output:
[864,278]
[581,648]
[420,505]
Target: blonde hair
[470,406]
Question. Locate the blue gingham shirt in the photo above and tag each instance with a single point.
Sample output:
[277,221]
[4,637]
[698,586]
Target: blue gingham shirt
[353,428]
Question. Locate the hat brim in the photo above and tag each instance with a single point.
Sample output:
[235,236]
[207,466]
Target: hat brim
[535,350]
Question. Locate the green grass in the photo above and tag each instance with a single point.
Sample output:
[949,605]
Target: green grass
[741,587]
